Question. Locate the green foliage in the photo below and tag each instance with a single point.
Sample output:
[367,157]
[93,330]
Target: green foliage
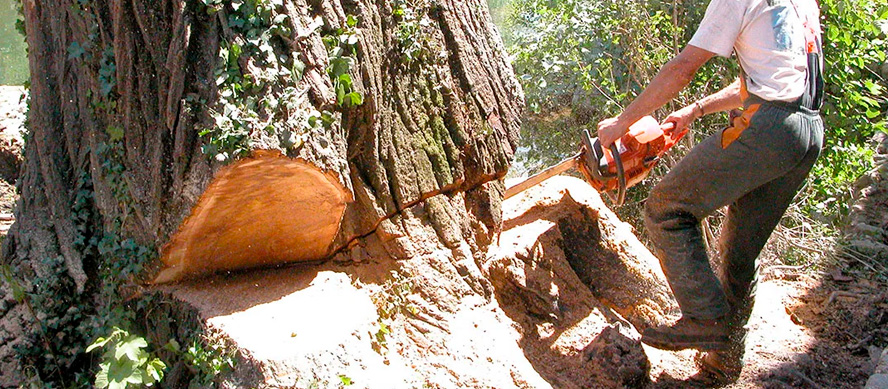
[392,300]
[125,362]
[248,69]
[67,318]
[341,44]
[206,356]
[854,33]
[412,17]
[582,61]
[258,79]
[55,342]
[13,49]
[107,73]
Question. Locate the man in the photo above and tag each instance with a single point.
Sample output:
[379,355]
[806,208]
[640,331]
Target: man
[755,166]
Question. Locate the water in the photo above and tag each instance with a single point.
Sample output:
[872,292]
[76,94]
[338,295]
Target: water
[13,58]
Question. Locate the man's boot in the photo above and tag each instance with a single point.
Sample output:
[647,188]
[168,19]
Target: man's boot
[704,335]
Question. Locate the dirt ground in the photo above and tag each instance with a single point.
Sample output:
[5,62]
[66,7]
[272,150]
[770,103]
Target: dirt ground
[820,330]
[12,116]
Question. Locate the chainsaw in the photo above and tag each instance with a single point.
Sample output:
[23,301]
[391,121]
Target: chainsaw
[612,170]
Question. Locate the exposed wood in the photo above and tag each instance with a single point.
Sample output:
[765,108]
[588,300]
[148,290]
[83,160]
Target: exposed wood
[264,210]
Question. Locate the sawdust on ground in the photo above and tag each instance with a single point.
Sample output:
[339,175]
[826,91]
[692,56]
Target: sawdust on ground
[806,331]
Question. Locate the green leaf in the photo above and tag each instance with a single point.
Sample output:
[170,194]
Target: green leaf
[117,385]
[173,345]
[75,51]
[356,98]
[102,376]
[131,347]
[298,69]
[119,371]
[115,133]
[351,20]
[345,79]
[347,381]
[234,53]
[155,368]
[137,377]
[279,19]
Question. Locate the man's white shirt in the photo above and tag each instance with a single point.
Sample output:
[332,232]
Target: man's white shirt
[769,39]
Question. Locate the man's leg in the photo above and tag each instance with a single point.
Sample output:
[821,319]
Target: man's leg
[705,180]
[744,232]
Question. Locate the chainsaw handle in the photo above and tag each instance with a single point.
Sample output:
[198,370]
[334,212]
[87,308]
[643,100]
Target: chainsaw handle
[673,137]
[621,176]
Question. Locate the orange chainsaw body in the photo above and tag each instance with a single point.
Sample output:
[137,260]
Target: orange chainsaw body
[639,150]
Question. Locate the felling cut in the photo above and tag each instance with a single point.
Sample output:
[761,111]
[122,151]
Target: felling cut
[264,210]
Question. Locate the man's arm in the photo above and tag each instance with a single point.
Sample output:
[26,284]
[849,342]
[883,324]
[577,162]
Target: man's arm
[671,79]
[723,100]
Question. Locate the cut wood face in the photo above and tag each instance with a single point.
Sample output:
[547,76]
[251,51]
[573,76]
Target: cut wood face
[260,211]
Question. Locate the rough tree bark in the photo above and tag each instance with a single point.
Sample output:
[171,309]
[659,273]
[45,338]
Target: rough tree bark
[170,139]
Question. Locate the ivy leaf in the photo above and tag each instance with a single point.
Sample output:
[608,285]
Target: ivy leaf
[298,69]
[136,378]
[117,385]
[115,133]
[131,347]
[279,19]
[155,370]
[75,51]
[340,93]
[101,381]
[355,98]
[119,372]
[233,54]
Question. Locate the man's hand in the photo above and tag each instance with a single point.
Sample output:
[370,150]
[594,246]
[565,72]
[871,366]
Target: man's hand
[609,130]
[683,118]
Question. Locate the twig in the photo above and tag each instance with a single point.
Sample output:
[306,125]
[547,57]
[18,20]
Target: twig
[860,343]
[841,293]
[792,243]
[788,267]
[856,255]
[804,378]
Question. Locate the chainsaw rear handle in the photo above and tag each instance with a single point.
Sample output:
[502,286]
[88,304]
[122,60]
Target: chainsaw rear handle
[621,177]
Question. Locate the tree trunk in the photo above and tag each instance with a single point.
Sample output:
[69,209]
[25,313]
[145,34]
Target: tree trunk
[164,134]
